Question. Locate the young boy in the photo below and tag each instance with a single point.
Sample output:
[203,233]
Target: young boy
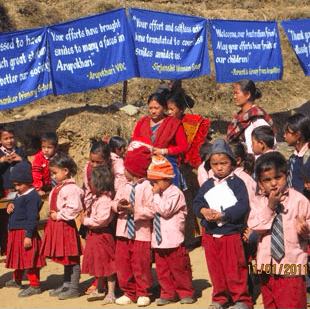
[134,205]
[282,221]
[41,175]
[172,260]
[263,140]
[222,204]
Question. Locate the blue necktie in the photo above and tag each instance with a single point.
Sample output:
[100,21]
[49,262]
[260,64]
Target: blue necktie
[130,219]
[157,228]
[277,239]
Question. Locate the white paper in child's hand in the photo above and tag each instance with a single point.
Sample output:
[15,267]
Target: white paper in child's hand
[220,197]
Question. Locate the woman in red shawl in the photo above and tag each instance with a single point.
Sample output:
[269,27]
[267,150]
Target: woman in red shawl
[249,116]
[166,134]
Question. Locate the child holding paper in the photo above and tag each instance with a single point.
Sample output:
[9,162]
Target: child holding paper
[222,204]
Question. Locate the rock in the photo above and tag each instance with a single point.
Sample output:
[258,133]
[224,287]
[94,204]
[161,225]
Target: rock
[130,109]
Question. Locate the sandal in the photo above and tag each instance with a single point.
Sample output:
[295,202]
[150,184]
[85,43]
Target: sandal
[108,300]
[96,296]
[215,305]
[92,289]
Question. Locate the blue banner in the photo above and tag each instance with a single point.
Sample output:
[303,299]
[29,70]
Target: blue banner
[91,52]
[24,67]
[298,33]
[246,49]
[169,46]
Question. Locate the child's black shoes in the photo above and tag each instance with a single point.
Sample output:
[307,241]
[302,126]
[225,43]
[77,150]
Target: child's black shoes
[70,293]
[13,284]
[32,290]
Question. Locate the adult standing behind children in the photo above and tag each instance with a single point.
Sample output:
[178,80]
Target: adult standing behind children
[165,133]
[249,116]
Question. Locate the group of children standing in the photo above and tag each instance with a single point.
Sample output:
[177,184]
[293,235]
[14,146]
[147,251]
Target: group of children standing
[134,215]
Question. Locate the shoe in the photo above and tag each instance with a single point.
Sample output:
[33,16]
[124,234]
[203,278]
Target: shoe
[56,292]
[239,305]
[91,290]
[215,305]
[96,296]
[32,290]
[187,300]
[108,300]
[123,300]
[163,301]
[13,284]
[70,293]
[143,301]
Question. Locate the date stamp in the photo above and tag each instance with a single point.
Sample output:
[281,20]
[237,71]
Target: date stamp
[281,269]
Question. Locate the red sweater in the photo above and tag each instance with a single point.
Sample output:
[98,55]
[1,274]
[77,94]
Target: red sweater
[40,172]
[170,134]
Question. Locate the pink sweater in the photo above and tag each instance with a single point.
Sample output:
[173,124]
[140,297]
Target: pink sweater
[172,209]
[144,210]
[118,170]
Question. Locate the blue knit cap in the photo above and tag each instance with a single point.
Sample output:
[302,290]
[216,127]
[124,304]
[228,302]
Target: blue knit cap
[220,146]
[21,172]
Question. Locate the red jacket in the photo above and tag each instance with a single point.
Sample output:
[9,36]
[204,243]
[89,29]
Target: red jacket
[40,172]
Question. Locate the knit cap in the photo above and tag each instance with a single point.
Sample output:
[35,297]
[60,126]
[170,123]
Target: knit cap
[220,146]
[137,160]
[21,172]
[160,168]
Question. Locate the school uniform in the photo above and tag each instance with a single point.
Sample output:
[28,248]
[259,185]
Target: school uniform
[223,244]
[172,260]
[23,223]
[99,253]
[118,170]
[283,282]
[41,174]
[88,194]
[202,174]
[61,241]
[133,256]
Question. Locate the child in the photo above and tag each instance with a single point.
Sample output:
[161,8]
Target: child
[23,239]
[134,205]
[42,180]
[202,173]
[100,244]
[118,147]
[61,241]
[297,134]
[172,260]
[222,204]
[99,156]
[10,154]
[263,140]
[283,225]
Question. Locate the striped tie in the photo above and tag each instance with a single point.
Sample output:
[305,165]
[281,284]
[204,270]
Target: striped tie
[54,183]
[157,228]
[130,220]
[291,168]
[277,240]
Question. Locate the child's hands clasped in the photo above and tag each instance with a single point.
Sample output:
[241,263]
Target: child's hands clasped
[124,205]
[302,227]
[211,214]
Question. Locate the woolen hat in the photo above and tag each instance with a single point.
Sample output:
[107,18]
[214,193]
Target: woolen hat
[160,168]
[21,172]
[220,146]
[137,160]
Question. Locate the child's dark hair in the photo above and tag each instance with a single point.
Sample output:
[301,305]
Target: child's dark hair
[180,99]
[204,149]
[264,134]
[299,122]
[268,161]
[117,142]
[247,85]
[6,128]
[160,96]
[62,160]
[50,137]
[100,147]
[247,160]
[102,180]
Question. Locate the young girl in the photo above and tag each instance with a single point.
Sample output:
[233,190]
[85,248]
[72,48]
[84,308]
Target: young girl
[99,252]
[118,148]
[61,241]
[297,134]
[222,204]
[283,223]
[172,260]
[134,205]
[23,238]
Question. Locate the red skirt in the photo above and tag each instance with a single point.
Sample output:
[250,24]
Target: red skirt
[61,242]
[99,255]
[20,258]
